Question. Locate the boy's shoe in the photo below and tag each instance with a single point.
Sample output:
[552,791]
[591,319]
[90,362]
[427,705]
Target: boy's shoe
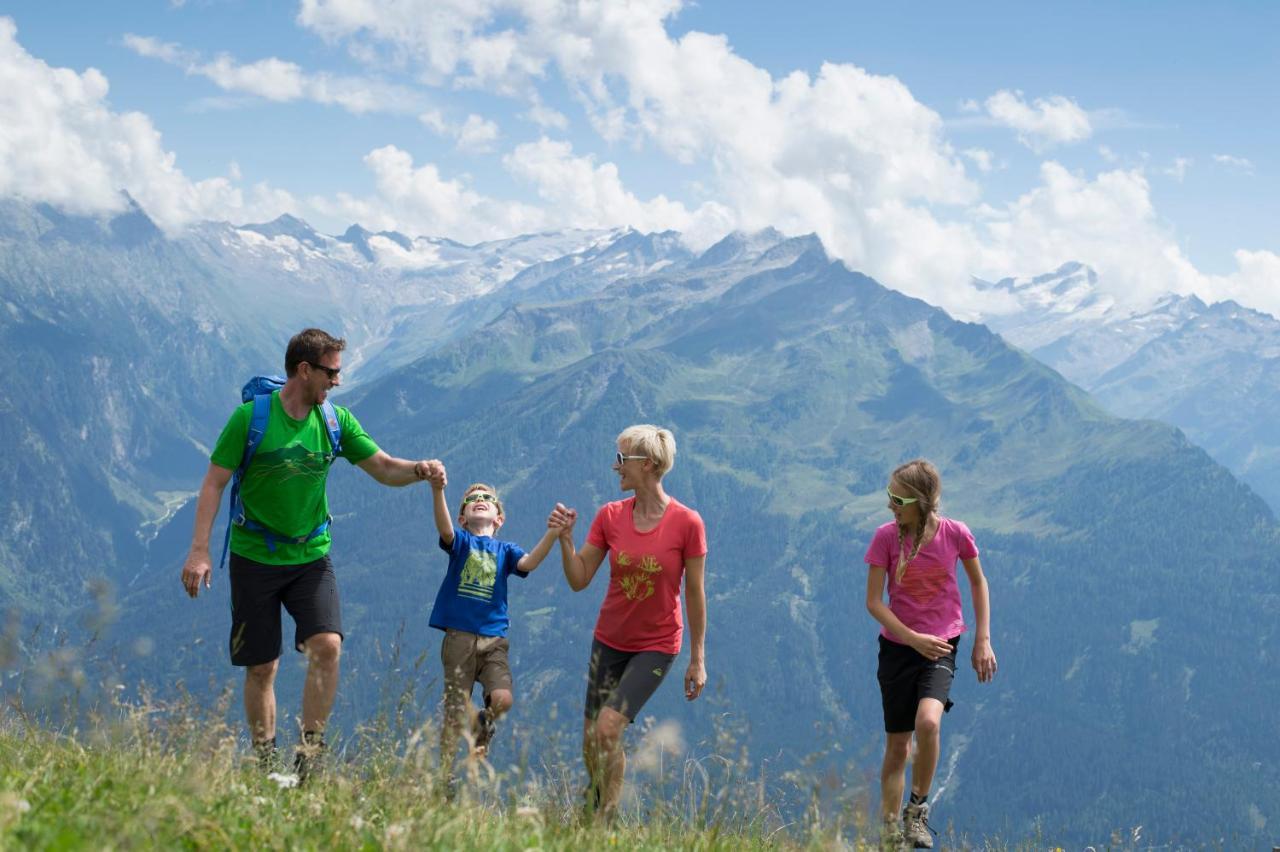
[891,837]
[309,760]
[483,731]
[915,826]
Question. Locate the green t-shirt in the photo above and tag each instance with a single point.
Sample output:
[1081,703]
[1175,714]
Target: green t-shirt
[283,489]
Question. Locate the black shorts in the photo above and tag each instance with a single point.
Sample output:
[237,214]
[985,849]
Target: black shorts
[623,680]
[906,676]
[308,591]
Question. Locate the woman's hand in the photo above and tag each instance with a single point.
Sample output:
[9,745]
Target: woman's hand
[695,677]
[984,660]
[930,647]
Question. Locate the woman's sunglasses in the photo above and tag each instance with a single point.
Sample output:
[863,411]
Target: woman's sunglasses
[900,501]
[621,458]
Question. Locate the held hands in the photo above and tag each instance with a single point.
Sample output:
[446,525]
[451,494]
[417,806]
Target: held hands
[931,647]
[432,471]
[562,519]
[197,568]
[984,660]
[695,677]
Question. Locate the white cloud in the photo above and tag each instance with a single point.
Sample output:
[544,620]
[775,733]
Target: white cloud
[1178,170]
[61,143]
[546,118]
[580,193]
[280,81]
[1044,122]
[475,135]
[1108,155]
[1234,162]
[982,158]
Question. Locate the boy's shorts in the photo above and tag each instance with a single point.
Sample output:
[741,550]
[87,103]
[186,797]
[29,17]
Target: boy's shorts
[308,591]
[906,676]
[470,657]
[623,680]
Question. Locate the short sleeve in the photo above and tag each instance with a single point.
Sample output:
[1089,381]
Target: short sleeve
[228,452]
[878,552]
[598,535]
[695,540]
[966,547]
[356,443]
[512,555]
[459,541]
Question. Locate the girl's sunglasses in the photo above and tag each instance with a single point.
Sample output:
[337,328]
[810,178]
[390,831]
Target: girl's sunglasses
[900,501]
[621,458]
[478,496]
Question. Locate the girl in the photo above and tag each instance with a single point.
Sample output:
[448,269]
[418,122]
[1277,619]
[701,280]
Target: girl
[917,553]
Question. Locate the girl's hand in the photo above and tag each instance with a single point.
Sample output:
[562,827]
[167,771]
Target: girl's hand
[930,647]
[984,660]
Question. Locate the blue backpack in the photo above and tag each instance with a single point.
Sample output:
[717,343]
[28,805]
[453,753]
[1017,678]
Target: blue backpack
[258,390]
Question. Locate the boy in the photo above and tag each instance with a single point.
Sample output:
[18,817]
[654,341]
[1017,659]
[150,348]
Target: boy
[471,609]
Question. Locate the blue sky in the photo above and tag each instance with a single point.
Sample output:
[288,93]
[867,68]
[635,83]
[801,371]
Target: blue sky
[923,142]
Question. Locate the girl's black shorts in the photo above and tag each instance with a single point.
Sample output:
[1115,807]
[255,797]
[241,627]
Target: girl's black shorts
[906,676]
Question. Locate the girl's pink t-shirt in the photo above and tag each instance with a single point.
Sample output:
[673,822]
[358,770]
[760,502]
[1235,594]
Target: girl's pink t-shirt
[928,598]
[641,610]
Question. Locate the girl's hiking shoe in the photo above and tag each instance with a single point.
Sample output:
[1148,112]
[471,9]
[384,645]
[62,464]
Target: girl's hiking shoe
[915,826]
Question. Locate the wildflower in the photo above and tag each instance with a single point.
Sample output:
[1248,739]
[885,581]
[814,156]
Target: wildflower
[284,782]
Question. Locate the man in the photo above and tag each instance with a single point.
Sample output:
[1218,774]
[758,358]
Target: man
[280,553]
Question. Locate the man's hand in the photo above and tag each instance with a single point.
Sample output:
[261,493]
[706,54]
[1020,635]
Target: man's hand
[694,679]
[198,567]
[432,471]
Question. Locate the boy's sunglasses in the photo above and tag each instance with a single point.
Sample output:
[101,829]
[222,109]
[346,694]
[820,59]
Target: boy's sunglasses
[900,501]
[621,458]
[479,496]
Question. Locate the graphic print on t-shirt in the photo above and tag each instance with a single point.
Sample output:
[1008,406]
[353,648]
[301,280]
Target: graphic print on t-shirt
[479,575]
[290,462]
[637,584]
[923,583]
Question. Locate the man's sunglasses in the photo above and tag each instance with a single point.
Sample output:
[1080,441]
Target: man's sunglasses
[621,458]
[479,497]
[331,372]
[900,501]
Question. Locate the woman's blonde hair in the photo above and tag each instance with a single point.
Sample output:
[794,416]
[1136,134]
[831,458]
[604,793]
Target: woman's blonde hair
[653,442]
[480,486]
[922,479]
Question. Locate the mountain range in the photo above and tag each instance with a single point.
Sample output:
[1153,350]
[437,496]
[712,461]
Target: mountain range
[1135,590]
[1208,369]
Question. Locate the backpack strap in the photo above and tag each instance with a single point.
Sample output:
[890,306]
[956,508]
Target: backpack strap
[332,425]
[257,428]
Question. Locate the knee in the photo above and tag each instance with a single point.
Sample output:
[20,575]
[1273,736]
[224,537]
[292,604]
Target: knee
[608,728]
[927,725]
[324,649]
[898,750]
[500,701]
[263,676]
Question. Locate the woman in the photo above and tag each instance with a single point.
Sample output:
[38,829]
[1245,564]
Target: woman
[653,542]
[917,553]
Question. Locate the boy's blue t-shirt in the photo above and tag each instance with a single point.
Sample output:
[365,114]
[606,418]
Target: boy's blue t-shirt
[473,596]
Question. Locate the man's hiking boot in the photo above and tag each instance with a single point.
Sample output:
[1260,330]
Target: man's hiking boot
[310,758]
[891,837]
[268,757]
[483,731]
[915,826]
